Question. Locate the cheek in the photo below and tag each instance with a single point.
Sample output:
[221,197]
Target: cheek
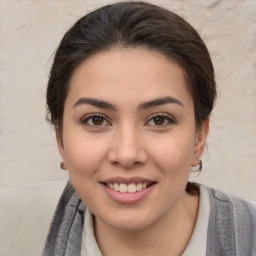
[84,154]
[174,154]
[84,160]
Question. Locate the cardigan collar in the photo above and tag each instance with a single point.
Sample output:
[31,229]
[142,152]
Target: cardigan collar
[66,229]
[231,227]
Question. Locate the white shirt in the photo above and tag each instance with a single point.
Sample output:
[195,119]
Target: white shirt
[195,247]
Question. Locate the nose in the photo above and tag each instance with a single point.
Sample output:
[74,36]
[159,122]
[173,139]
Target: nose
[127,148]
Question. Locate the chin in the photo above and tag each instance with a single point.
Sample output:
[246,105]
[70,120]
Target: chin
[130,226]
[128,221]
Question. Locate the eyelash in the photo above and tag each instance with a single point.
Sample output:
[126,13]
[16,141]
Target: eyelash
[166,117]
[85,120]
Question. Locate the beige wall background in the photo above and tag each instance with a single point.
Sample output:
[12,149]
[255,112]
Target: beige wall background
[30,31]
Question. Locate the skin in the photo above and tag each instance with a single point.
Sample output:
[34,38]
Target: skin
[157,142]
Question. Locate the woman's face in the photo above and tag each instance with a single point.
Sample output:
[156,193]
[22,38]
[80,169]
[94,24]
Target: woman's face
[129,123]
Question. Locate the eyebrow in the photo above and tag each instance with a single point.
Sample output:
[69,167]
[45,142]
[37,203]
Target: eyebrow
[95,102]
[159,102]
[143,106]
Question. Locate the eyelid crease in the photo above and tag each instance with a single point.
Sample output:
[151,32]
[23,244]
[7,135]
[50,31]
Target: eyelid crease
[161,114]
[168,117]
[85,119]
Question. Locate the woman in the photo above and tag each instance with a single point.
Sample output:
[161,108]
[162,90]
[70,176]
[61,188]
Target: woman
[130,94]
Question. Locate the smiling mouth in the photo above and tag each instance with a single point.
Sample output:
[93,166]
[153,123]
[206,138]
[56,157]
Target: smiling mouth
[128,188]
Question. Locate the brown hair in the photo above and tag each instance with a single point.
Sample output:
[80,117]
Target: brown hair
[133,24]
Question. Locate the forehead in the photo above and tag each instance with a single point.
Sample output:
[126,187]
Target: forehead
[136,73]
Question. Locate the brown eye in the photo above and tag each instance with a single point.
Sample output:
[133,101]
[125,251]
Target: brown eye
[97,120]
[159,120]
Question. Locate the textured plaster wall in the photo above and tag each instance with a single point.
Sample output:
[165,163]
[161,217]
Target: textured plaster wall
[29,33]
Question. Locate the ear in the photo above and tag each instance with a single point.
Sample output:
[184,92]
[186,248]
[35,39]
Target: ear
[60,143]
[200,141]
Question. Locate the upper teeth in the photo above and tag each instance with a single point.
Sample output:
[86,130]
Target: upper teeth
[131,188]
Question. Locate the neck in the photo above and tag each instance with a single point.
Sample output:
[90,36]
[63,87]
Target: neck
[168,236]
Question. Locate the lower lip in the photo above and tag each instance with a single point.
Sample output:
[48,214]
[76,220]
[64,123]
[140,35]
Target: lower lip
[127,198]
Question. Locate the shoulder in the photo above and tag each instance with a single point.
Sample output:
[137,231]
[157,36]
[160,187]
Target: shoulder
[26,213]
[232,220]
[236,204]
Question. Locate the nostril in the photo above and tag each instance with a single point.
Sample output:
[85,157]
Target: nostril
[127,156]
[127,164]
[115,163]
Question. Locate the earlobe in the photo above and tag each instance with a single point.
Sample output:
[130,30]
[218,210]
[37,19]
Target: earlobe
[200,142]
[60,143]
[63,165]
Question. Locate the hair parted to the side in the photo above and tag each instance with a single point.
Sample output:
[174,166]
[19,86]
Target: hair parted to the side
[133,24]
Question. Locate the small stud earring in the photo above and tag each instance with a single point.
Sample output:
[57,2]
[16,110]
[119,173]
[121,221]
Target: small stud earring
[197,168]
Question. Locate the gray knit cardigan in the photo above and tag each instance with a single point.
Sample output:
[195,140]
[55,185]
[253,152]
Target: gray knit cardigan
[231,227]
